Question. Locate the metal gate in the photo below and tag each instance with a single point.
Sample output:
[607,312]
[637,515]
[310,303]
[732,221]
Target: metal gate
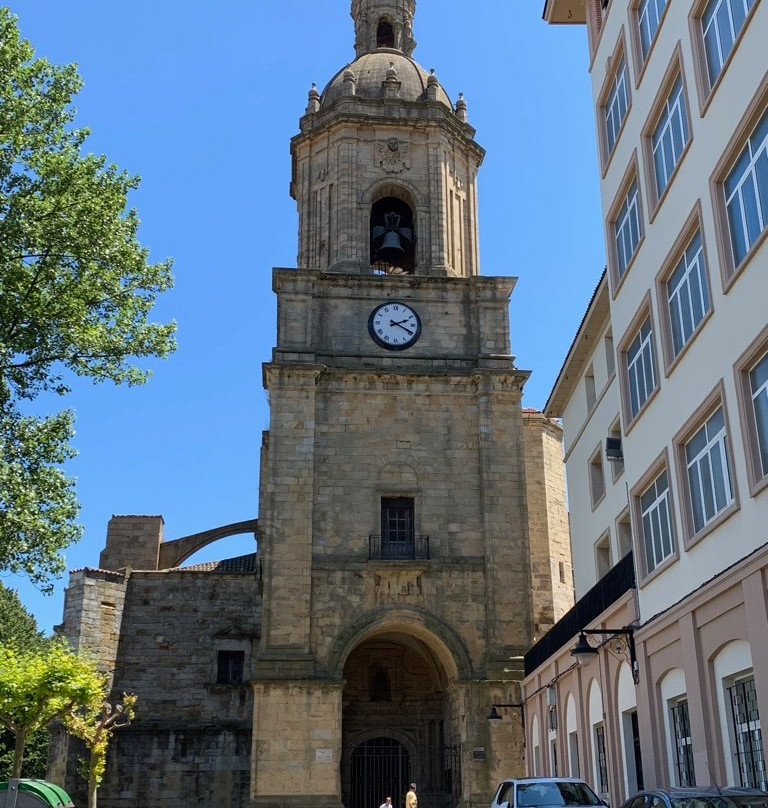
[382,767]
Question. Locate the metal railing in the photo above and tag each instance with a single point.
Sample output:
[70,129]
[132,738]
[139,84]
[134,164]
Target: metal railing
[607,590]
[381,548]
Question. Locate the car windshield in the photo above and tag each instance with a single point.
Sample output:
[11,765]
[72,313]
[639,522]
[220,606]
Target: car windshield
[731,801]
[546,794]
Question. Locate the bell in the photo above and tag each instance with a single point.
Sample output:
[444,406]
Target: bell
[390,249]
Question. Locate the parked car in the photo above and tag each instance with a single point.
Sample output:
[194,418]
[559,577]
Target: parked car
[699,798]
[544,792]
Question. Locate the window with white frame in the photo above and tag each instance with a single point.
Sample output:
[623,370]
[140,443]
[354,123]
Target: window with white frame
[746,732]
[648,16]
[687,294]
[616,105]
[746,192]
[670,135]
[721,22]
[658,537]
[681,743]
[641,369]
[627,228]
[758,388]
[708,467]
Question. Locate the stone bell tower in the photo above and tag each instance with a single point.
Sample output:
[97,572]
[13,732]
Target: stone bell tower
[407,558]
[412,537]
[385,167]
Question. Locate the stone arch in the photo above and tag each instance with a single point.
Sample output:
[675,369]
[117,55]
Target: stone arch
[399,188]
[398,475]
[175,552]
[447,647]
[358,738]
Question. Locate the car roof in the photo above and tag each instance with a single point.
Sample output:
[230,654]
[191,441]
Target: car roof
[709,791]
[543,780]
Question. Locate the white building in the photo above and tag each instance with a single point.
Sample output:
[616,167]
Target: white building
[672,359]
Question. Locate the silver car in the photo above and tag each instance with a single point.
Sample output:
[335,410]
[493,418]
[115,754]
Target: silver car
[544,792]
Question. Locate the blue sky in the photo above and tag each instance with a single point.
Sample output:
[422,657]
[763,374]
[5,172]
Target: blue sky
[201,99]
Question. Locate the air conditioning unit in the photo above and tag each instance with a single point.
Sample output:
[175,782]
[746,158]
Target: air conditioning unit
[613,450]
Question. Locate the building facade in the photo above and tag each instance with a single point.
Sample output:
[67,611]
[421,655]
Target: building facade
[663,401]
[412,536]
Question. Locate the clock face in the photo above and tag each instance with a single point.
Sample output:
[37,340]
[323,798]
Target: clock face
[394,325]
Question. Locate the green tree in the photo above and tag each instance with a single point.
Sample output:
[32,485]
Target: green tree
[95,728]
[76,292]
[18,629]
[39,687]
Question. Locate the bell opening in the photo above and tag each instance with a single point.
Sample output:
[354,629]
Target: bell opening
[393,239]
[385,35]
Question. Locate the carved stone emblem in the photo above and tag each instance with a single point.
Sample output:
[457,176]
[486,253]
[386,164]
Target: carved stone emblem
[393,155]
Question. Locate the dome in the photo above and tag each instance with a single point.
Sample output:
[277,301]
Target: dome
[371,70]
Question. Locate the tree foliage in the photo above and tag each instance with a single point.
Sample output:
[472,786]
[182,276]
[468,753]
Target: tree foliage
[76,292]
[18,629]
[95,728]
[41,686]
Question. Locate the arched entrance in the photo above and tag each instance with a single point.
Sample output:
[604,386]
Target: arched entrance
[397,725]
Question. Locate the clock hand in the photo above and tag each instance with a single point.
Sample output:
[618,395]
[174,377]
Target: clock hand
[400,324]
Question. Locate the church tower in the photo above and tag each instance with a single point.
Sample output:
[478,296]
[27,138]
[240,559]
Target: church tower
[394,511]
[412,537]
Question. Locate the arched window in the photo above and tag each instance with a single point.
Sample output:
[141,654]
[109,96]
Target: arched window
[385,35]
[392,236]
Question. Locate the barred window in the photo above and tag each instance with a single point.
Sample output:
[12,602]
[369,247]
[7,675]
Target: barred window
[747,734]
[683,748]
[601,761]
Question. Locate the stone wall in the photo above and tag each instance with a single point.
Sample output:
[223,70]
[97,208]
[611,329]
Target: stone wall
[191,735]
[550,560]
[132,541]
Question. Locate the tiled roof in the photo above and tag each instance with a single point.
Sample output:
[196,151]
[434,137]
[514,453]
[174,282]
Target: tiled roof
[245,563]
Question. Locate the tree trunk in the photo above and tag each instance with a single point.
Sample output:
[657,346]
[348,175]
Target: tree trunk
[18,757]
[93,787]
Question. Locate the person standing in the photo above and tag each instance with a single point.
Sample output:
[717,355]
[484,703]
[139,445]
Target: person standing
[387,803]
[411,800]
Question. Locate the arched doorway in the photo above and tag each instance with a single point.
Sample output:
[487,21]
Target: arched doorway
[397,725]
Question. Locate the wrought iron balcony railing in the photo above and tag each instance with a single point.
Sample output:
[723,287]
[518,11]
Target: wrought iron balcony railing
[381,548]
[618,580]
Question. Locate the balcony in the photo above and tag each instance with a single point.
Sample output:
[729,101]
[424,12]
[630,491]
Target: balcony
[618,580]
[381,548]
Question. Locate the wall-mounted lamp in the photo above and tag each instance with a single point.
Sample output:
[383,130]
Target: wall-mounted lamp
[495,715]
[624,647]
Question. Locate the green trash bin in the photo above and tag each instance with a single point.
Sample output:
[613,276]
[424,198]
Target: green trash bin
[33,794]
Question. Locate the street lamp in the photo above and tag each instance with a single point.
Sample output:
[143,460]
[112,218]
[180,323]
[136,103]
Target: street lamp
[584,653]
